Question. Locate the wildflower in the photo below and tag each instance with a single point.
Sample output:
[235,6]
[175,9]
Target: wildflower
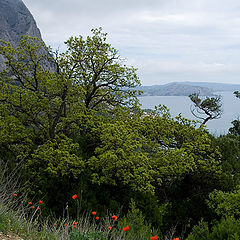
[154,238]
[125,229]
[15,194]
[55,224]
[75,226]
[176,239]
[114,217]
[109,227]
[65,224]
[75,223]
[38,208]
[40,202]
[97,218]
[30,203]
[33,207]
[94,213]
[74,196]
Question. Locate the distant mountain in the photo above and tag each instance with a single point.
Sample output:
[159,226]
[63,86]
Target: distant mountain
[174,89]
[215,87]
[187,88]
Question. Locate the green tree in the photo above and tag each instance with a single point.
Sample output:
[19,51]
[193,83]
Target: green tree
[210,107]
[97,67]
[51,119]
[237,94]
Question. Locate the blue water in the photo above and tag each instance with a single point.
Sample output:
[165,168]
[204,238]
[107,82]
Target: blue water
[181,104]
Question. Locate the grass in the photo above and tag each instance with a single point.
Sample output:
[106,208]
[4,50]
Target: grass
[18,217]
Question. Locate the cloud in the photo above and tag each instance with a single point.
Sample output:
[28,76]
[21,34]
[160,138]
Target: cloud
[173,37]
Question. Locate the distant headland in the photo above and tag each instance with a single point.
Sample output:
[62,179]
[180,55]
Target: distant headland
[187,88]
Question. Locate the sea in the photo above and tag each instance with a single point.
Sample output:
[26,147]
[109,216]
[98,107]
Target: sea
[182,104]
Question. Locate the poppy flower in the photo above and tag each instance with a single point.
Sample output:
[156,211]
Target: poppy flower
[97,218]
[33,207]
[75,226]
[40,202]
[75,223]
[74,196]
[38,208]
[125,229]
[176,239]
[65,224]
[114,217]
[154,238]
[15,194]
[55,224]
[94,213]
[30,203]
[109,227]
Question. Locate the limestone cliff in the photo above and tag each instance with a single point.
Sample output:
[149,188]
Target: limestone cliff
[15,21]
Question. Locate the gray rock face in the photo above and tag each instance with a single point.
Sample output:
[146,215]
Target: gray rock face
[15,21]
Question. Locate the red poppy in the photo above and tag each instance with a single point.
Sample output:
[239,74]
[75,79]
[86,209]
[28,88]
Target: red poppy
[74,226]
[125,229]
[154,238]
[30,203]
[74,196]
[55,224]
[65,224]
[94,213]
[38,208]
[109,227]
[97,218]
[176,239]
[15,194]
[114,217]
[40,202]
[75,223]
[33,207]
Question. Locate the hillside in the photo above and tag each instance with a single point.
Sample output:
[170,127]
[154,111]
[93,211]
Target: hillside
[187,88]
[215,87]
[174,89]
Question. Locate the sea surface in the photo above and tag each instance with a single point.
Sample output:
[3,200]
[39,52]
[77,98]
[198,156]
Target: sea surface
[182,104]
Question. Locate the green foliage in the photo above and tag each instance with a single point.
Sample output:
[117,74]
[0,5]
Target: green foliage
[229,146]
[235,129]
[225,203]
[211,107]
[97,67]
[56,157]
[138,227]
[77,235]
[74,122]
[226,229]
[199,232]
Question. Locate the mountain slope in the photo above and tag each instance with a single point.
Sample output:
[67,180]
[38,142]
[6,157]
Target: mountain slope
[174,89]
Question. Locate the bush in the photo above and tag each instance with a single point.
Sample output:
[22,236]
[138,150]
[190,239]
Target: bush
[226,229]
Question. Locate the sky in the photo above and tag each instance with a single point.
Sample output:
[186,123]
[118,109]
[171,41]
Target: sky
[166,40]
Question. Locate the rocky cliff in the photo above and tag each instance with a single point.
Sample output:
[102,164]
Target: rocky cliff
[15,21]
